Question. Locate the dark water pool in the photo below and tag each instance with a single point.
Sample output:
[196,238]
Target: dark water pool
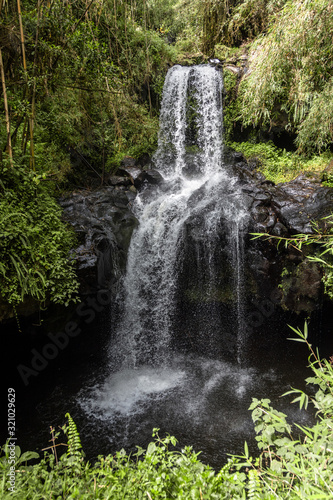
[201,400]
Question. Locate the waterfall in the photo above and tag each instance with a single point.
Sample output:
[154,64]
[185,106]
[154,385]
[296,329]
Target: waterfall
[197,184]
[176,355]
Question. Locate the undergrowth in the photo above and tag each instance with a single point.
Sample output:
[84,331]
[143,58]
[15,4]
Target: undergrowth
[290,77]
[288,467]
[279,165]
[35,243]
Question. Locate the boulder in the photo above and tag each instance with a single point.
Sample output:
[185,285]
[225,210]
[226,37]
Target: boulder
[153,177]
[132,172]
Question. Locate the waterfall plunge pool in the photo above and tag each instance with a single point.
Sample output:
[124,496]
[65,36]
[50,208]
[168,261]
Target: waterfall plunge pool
[201,400]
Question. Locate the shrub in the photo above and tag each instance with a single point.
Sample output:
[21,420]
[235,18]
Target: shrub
[279,165]
[35,244]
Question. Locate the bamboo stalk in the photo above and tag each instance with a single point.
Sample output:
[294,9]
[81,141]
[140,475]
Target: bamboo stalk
[118,127]
[22,35]
[31,129]
[9,141]
[3,5]
[24,133]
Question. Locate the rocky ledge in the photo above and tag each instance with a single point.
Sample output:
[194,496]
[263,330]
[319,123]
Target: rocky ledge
[283,210]
[104,223]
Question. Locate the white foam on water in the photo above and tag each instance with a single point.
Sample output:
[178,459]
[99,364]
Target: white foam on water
[124,392]
[195,387]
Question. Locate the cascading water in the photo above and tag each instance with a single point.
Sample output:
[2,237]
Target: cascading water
[188,248]
[190,158]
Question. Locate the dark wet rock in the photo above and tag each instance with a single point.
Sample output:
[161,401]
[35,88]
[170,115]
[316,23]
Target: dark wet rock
[128,161]
[132,172]
[116,180]
[301,287]
[104,223]
[136,173]
[143,161]
[282,211]
[263,198]
[279,230]
[238,157]
[301,201]
[154,177]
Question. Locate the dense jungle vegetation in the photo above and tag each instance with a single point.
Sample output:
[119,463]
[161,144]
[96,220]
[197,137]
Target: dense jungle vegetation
[81,86]
[81,83]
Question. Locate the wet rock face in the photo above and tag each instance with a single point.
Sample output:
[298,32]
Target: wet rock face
[282,210]
[289,207]
[104,223]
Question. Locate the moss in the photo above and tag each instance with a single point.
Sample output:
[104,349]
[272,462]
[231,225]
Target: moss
[223,52]
[300,287]
[231,104]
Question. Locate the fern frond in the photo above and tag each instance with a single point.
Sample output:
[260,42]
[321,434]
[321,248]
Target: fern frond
[74,441]
[254,485]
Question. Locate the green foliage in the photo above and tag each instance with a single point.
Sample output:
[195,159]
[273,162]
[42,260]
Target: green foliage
[93,81]
[250,18]
[328,179]
[85,97]
[315,132]
[322,239]
[279,165]
[230,105]
[156,472]
[297,467]
[35,243]
[74,442]
[18,457]
[209,25]
[290,77]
